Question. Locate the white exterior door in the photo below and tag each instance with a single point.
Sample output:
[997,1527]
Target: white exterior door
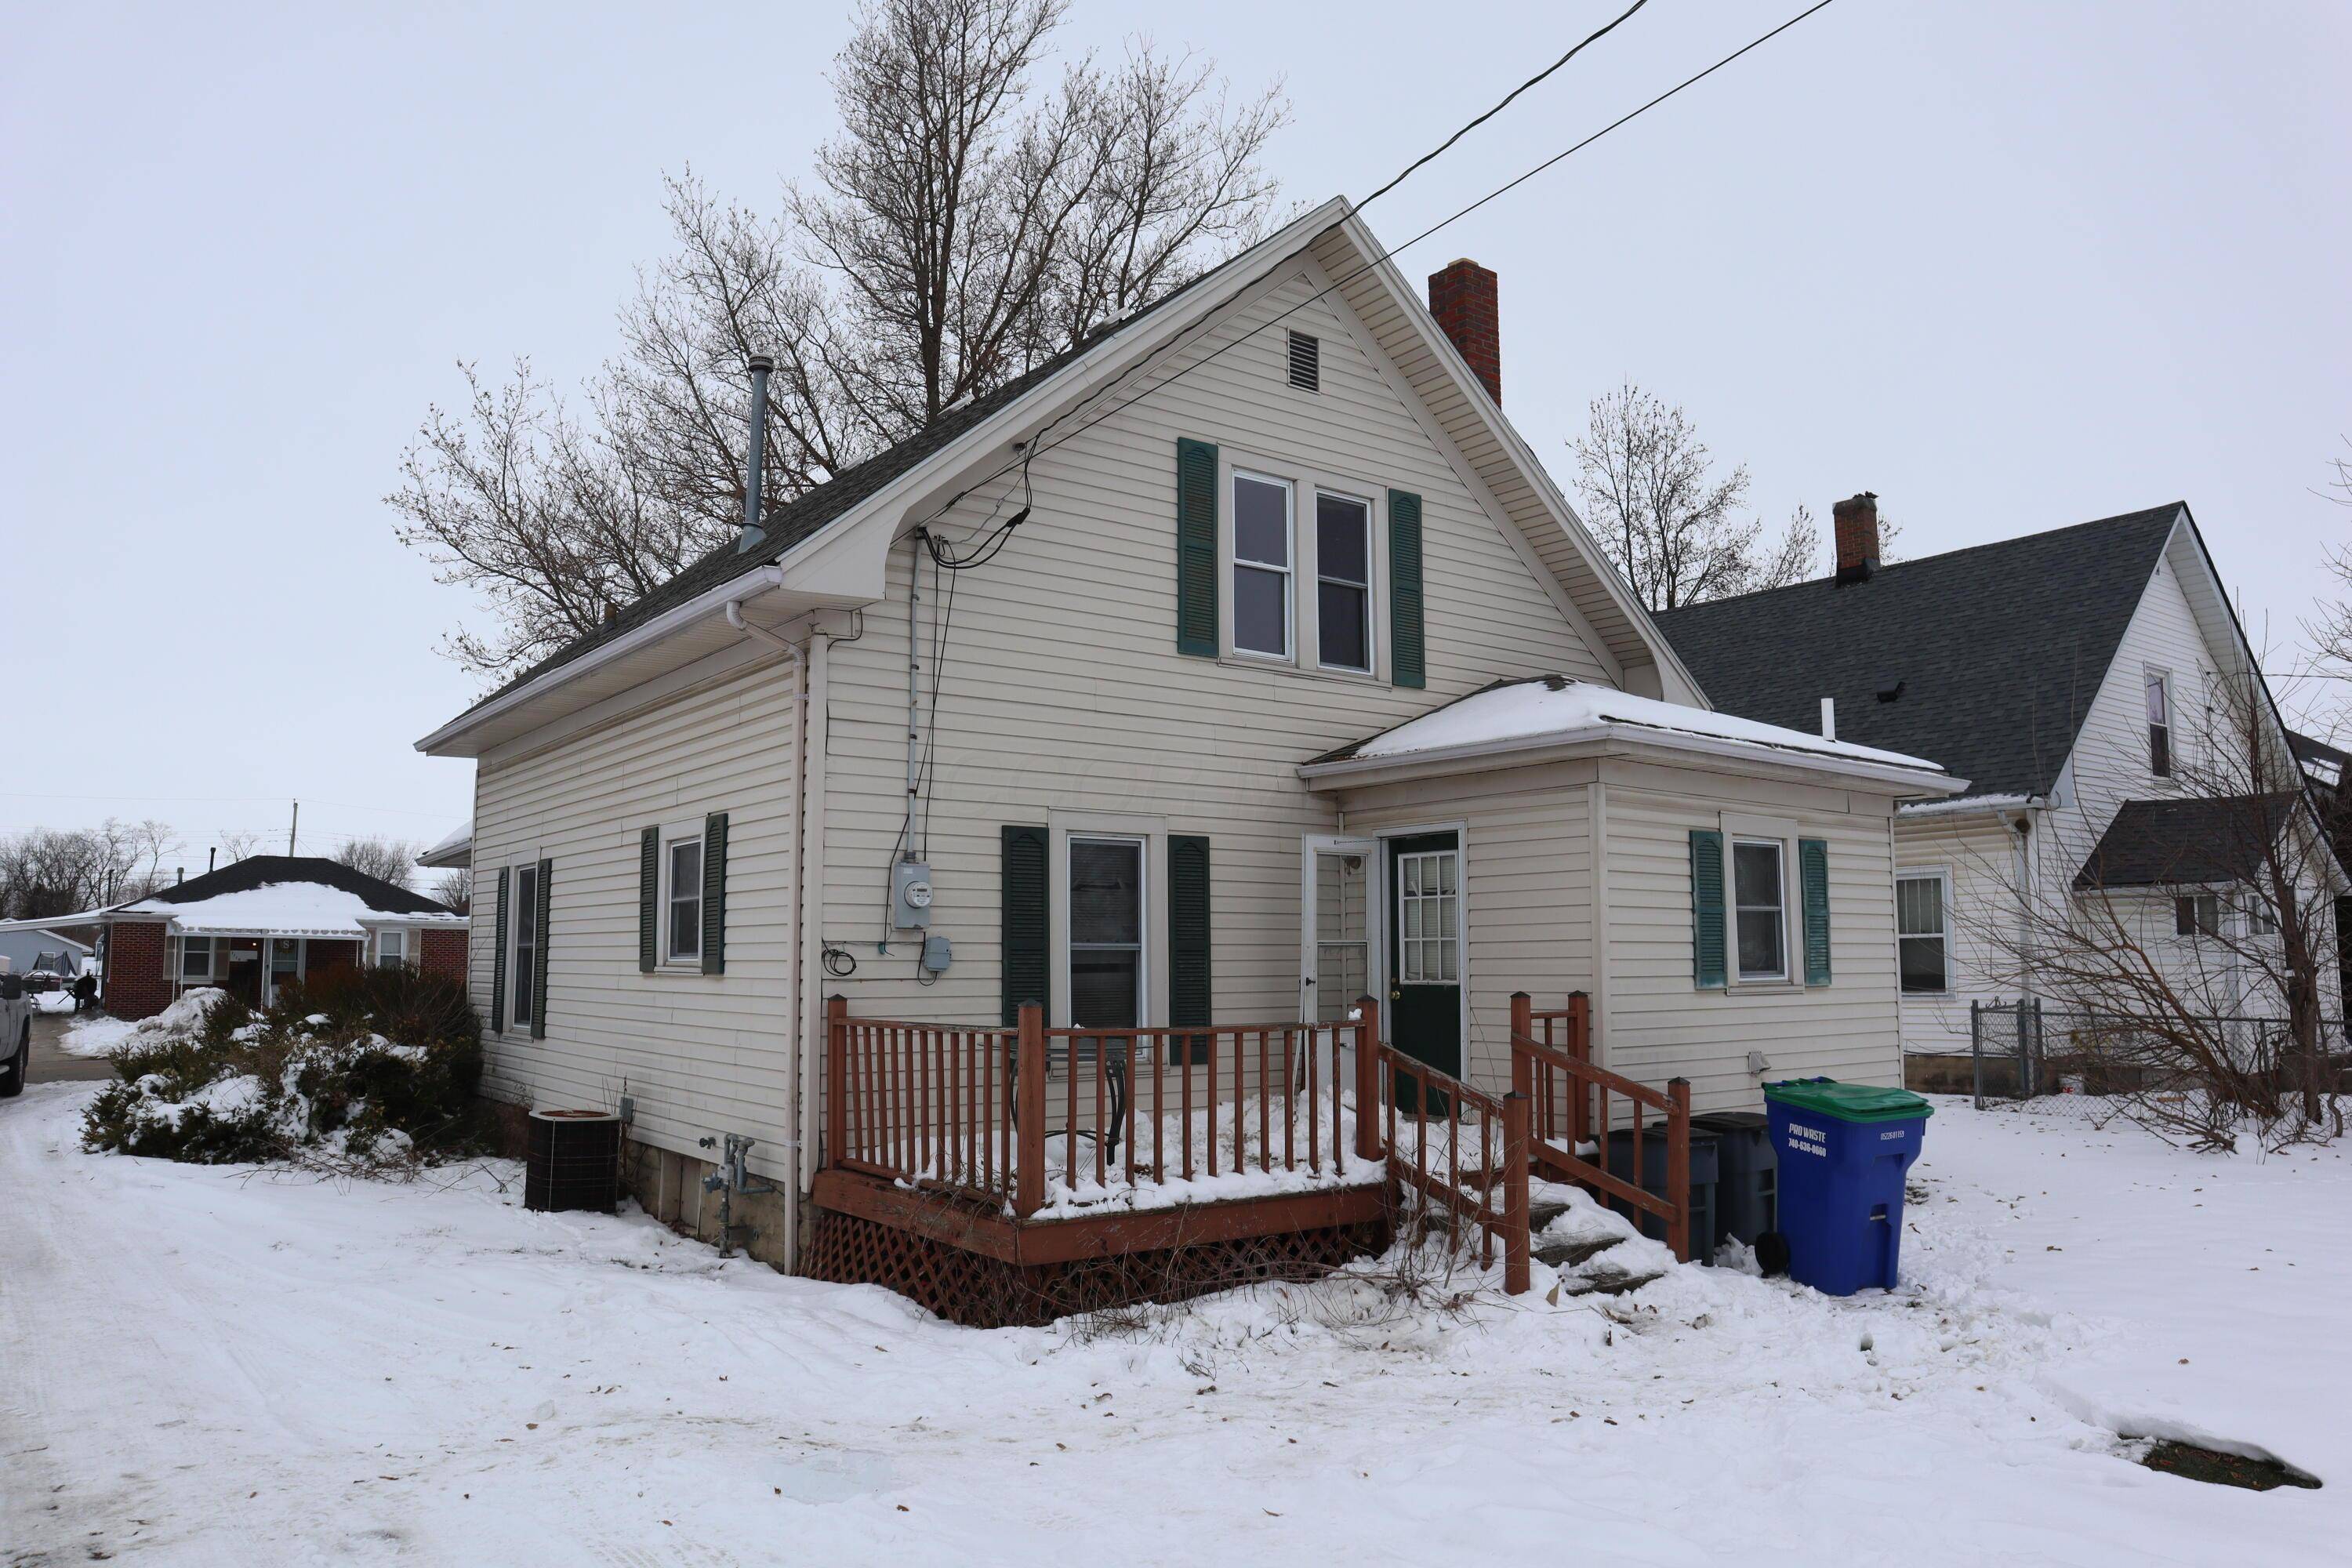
[1339,946]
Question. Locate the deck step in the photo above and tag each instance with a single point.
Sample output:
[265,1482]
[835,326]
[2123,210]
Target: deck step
[1568,1251]
[1611,1284]
[1541,1212]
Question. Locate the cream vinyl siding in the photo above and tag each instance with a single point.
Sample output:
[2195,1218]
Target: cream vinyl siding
[701,1054]
[1978,857]
[1063,691]
[1528,889]
[1657,1026]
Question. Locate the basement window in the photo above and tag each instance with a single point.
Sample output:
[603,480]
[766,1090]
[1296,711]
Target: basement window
[1306,362]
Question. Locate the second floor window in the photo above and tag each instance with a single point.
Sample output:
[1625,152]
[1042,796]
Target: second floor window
[1262,566]
[2197,914]
[2159,726]
[1343,581]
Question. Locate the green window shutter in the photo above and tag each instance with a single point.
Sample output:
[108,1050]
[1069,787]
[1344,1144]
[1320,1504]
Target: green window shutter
[1707,908]
[1025,934]
[1406,662]
[539,956]
[714,893]
[648,894]
[499,958]
[1189,992]
[1813,882]
[1196,549]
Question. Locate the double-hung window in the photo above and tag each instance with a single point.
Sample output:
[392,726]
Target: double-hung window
[195,958]
[1107,933]
[1263,606]
[390,948]
[1920,916]
[2160,724]
[1343,581]
[525,926]
[682,901]
[2197,914]
[1760,908]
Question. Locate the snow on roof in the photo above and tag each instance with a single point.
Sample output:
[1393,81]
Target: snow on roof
[280,908]
[1552,705]
[456,848]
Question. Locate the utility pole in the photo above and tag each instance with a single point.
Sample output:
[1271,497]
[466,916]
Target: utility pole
[292,825]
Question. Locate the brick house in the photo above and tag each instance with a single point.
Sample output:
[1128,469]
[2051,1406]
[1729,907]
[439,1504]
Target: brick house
[252,926]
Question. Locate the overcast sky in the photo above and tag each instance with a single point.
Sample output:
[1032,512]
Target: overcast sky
[2011,266]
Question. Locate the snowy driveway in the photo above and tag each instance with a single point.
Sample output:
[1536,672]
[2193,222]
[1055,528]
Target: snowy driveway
[211,1366]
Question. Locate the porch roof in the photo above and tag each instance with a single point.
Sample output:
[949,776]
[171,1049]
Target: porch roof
[1548,711]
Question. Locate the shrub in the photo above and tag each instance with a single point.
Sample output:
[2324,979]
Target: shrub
[366,1067]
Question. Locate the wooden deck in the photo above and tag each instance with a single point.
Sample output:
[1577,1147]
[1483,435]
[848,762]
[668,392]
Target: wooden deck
[1018,1175]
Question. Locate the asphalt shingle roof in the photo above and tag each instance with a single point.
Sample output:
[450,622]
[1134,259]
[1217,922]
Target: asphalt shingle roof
[2200,840]
[272,870]
[1983,660]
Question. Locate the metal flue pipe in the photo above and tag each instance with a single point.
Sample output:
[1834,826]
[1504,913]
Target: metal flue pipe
[754,534]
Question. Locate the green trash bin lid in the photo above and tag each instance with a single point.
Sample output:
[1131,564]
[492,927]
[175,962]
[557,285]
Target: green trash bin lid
[1849,1101]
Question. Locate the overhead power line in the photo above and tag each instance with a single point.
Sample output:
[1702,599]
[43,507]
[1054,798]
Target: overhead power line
[1436,151]
[1038,443]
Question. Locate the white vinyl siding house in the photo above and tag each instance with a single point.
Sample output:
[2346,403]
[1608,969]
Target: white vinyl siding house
[1084,758]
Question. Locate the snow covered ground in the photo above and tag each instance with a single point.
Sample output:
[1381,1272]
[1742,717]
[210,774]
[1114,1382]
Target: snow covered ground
[215,1366]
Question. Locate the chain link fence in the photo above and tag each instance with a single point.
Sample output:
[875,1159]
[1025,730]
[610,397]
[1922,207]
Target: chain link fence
[2082,1062]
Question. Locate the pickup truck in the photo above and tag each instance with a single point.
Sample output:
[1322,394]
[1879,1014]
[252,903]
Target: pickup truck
[15,1035]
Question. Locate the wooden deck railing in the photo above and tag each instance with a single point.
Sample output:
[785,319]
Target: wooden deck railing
[1032,1118]
[1576,1108]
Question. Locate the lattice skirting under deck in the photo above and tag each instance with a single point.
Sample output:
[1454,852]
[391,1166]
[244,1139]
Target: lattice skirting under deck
[984,1292]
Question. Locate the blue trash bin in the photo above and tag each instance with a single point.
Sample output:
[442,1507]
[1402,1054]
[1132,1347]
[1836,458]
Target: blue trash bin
[1843,1150]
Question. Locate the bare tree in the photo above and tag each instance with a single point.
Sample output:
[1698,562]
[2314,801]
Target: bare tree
[2196,977]
[46,872]
[2330,631]
[1678,532]
[239,846]
[390,860]
[456,888]
[962,226]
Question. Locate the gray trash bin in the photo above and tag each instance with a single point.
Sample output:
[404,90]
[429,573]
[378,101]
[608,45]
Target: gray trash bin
[1703,1166]
[1747,1202]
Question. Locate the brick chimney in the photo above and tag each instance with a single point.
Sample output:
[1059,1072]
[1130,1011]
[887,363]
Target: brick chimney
[1462,298]
[1857,537]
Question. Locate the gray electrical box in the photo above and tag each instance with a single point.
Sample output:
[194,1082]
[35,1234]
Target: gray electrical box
[910,895]
[937,954]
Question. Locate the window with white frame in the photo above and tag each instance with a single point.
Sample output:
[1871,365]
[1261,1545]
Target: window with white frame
[1429,916]
[1760,908]
[195,958]
[2160,724]
[1343,581]
[1263,556]
[682,900]
[2197,914]
[1921,915]
[390,948]
[2261,917]
[1107,932]
[525,927]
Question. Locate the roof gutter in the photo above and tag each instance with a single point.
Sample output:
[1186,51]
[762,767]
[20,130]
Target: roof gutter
[1539,748]
[713,601]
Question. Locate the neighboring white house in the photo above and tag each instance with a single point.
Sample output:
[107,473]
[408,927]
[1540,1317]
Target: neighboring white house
[1239,662]
[2071,677]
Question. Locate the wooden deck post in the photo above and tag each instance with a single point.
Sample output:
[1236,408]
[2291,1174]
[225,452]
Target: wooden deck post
[1522,1027]
[837,1079]
[1579,1045]
[1515,1242]
[1029,1158]
[1678,1228]
[1368,1078]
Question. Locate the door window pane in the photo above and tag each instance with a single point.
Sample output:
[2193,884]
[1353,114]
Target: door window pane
[1428,918]
[1105,933]
[686,899]
[1342,934]
[1761,920]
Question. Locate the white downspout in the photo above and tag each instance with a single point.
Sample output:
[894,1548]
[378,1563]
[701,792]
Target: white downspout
[812,920]
[798,670]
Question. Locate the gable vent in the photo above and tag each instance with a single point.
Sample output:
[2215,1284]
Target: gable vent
[1306,362]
